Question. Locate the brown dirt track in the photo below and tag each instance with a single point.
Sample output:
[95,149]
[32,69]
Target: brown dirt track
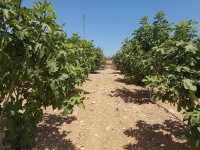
[118,116]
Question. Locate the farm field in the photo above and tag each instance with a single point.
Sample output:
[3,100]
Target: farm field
[43,66]
[117,116]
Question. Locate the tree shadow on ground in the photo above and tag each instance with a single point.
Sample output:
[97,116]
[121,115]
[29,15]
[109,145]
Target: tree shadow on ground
[136,96]
[49,136]
[115,72]
[124,80]
[83,91]
[95,72]
[170,135]
[129,81]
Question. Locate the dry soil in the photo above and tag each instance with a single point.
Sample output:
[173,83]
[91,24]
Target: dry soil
[118,116]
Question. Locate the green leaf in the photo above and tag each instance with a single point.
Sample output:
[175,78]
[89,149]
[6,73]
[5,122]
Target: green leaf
[196,118]
[189,47]
[6,13]
[42,53]
[187,116]
[198,128]
[192,95]
[64,77]
[46,26]
[81,105]
[183,68]
[53,85]
[188,84]
[52,65]
[49,8]
[68,110]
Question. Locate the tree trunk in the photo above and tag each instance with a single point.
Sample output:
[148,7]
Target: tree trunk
[151,91]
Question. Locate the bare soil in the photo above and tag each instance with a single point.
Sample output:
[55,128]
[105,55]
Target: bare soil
[118,116]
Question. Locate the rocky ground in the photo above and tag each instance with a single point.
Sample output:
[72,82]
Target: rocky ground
[118,116]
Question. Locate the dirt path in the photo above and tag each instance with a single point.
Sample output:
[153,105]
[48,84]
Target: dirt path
[117,116]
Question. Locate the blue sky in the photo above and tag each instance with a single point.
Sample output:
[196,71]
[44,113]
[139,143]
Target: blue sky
[108,22]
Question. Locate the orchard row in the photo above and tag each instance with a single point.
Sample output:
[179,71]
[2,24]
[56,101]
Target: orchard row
[166,56]
[39,66]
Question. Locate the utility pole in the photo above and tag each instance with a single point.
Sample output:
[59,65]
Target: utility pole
[84,27]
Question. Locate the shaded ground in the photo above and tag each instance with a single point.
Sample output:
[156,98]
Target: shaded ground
[118,116]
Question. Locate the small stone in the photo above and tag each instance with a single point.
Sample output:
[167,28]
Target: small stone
[108,127]
[82,123]
[93,102]
[162,145]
